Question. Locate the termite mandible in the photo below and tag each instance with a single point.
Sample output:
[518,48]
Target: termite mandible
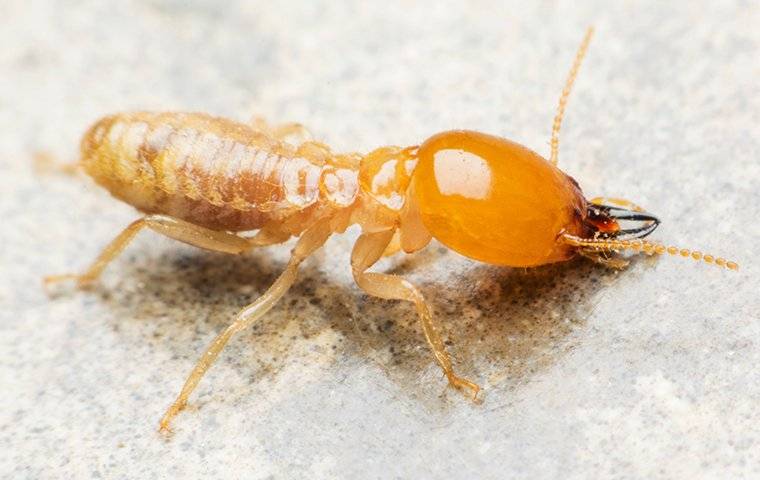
[202,180]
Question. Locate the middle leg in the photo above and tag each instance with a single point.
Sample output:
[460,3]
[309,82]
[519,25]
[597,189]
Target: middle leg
[368,250]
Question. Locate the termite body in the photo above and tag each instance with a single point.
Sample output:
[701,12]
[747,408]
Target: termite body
[203,180]
[214,172]
[224,175]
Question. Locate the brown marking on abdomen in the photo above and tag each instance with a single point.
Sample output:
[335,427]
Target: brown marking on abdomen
[207,170]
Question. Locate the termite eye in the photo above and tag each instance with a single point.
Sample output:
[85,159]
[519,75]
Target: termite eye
[494,200]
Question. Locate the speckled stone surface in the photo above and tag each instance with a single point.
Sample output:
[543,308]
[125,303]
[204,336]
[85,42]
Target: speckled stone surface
[588,373]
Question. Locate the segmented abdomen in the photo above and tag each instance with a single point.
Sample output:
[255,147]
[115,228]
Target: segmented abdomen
[178,163]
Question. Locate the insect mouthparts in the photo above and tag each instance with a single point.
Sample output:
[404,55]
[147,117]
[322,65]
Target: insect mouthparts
[620,223]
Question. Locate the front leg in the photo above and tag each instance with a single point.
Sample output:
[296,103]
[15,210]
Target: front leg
[367,250]
[603,258]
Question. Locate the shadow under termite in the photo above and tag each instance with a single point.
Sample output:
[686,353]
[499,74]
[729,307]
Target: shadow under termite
[502,325]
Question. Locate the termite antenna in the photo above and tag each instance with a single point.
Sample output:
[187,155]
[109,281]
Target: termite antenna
[647,247]
[566,93]
[45,163]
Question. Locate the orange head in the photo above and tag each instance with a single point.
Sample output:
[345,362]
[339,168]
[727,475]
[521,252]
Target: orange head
[496,201]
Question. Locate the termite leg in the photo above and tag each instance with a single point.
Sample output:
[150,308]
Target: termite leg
[45,163]
[270,234]
[316,151]
[312,239]
[296,131]
[367,250]
[394,246]
[292,130]
[602,258]
[322,154]
[171,227]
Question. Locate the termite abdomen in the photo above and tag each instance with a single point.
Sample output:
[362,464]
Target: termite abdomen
[181,163]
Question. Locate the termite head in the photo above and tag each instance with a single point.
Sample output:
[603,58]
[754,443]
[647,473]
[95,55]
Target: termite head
[496,201]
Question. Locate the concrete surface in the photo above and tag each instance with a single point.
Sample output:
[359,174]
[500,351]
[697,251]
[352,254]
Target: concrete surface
[647,373]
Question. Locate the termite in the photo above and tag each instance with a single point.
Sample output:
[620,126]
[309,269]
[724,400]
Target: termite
[203,180]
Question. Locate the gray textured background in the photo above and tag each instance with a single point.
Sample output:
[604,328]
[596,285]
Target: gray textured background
[647,373]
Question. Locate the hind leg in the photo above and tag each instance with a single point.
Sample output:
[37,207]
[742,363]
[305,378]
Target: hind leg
[171,227]
[310,240]
[367,250]
[45,163]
